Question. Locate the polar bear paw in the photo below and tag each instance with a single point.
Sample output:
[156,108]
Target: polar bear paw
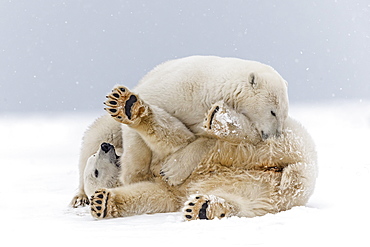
[125,106]
[206,207]
[102,205]
[220,121]
[80,199]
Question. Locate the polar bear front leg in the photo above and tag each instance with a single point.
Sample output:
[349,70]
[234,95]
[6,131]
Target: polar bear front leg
[178,166]
[162,132]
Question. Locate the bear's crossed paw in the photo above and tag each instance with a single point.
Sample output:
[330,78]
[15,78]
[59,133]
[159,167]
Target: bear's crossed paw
[206,207]
[220,121]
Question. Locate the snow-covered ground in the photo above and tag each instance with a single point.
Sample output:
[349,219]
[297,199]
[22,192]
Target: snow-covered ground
[39,176]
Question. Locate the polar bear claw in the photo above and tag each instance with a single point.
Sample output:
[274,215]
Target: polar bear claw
[207,124]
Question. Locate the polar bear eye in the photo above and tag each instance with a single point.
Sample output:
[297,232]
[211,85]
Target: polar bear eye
[96,173]
[273,113]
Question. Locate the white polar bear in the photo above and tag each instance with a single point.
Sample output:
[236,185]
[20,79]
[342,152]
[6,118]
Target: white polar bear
[173,99]
[235,178]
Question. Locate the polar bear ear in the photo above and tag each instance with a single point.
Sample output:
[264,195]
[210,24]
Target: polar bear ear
[252,80]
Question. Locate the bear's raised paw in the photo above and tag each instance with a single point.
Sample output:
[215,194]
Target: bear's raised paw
[206,207]
[125,106]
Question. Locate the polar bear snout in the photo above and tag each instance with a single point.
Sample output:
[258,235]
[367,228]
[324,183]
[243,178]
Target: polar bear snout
[266,135]
[106,147]
[107,151]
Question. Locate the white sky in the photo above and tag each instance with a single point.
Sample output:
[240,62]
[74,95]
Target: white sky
[66,55]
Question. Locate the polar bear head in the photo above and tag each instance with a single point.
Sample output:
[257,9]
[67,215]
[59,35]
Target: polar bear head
[263,99]
[102,169]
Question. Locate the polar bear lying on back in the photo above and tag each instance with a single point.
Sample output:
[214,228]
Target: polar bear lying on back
[163,116]
[235,178]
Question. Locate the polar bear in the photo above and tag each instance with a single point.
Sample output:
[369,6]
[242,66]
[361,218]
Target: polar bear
[237,177]
[171,101]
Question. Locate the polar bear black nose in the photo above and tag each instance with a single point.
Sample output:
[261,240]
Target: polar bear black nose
[106,147]
[264,135]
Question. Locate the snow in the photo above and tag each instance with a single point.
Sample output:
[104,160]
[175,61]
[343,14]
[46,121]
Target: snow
[41,177]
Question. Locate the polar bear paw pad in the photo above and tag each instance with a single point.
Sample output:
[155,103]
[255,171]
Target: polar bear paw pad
[206,207]
[125,106]
[99,204]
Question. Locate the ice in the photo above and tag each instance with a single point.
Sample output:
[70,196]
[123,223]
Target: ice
[39,155]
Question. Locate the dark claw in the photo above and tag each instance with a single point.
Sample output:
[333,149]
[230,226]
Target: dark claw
[212,116]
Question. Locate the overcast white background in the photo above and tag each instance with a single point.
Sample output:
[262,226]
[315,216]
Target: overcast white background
[66,55]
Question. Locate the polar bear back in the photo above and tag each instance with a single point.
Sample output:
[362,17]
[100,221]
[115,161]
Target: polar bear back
[187,87]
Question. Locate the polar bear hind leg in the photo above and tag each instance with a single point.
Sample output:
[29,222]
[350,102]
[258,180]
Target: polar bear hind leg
[134,199]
